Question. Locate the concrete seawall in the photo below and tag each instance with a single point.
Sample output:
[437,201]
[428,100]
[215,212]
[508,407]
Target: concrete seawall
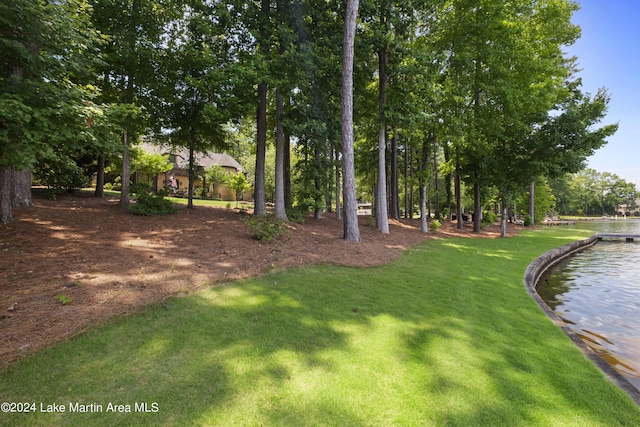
[532,275]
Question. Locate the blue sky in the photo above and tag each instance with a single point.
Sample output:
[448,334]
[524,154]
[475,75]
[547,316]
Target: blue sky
[609,55]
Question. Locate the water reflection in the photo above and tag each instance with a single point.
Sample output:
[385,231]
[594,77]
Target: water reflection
[597,293]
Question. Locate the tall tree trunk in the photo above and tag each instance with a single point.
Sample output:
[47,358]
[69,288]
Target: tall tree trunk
[21,188]
[6,204]
[477,207]
[287,172]
[350,223]
[424,161]
[126,170]
[435,180]
[317,183]
[456,183]
[260,207]
[100,176]
[382,217]
[260,204]
[532,201]
[406,182]
[447,177]
[338,187]
[280,209]
[394,200]
[192,167]
[411,186]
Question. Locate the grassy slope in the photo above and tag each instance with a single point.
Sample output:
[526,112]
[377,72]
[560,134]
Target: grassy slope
[445,336]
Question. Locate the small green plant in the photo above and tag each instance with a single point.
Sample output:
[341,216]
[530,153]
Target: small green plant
[266,228]
[297,214]
[150,204]
[528,221]
[435,225]
[488,218]
[63,299]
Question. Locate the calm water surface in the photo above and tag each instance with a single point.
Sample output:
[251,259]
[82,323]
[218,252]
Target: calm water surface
[597,293]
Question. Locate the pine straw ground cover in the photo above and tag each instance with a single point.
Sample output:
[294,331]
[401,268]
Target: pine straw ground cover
[70,264]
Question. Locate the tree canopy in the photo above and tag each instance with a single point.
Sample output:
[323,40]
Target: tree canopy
[447,95]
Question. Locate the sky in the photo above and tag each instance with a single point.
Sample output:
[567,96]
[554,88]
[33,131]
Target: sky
[608,55]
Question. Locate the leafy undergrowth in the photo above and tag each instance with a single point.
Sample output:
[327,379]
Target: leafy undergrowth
[446,335]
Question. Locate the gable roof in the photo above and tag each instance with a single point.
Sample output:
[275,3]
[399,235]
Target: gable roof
[203,160]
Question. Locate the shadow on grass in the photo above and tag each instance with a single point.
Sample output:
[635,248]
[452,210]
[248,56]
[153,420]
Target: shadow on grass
[445,336]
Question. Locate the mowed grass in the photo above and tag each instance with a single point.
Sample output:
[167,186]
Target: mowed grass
[445,336]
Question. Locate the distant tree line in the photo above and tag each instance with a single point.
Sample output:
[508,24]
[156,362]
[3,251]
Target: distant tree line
[452,100]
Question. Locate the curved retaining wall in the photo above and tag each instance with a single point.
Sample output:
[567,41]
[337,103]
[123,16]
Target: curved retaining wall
[531,276]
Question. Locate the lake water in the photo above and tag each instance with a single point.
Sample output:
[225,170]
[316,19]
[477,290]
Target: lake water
[597,293]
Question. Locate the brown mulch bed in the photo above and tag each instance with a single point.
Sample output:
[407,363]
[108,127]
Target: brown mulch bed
[109,262]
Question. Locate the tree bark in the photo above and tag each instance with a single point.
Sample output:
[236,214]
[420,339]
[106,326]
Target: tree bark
[532,203]
[126,170]
[456,184]
[6,205]
[21,188]
[394,200]
[477,208]
[382,217]
[100,177]
[192,167]
[260,207]
[280,209]
[338,187]
[350,223]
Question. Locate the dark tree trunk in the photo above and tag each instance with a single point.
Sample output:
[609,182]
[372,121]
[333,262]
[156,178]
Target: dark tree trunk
[338,187]
[287,172]
[280,210]
[447,177]
[126,170]
[100,177]
[15,192]
[260,207]
[6,205]
[192,167]
[477,208]
[456,180]
[260,203]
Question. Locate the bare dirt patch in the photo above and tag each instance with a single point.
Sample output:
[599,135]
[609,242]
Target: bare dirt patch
[107,262]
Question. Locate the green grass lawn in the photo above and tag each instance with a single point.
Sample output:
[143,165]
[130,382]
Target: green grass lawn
[445,336]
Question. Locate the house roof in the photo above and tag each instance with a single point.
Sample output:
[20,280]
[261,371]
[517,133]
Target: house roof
[204,160]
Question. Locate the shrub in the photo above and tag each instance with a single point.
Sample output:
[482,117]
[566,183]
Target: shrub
[266,228]
[489,218]
[527,221]
[297,214]
[150,204]
[435,225]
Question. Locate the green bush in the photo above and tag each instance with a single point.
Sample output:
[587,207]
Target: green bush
[150,204]
[489,218]
[297,214]
[435,225]
[266,228]
[527,221]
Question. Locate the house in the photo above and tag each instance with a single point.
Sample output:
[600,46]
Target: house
[630,210]
[180,171]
